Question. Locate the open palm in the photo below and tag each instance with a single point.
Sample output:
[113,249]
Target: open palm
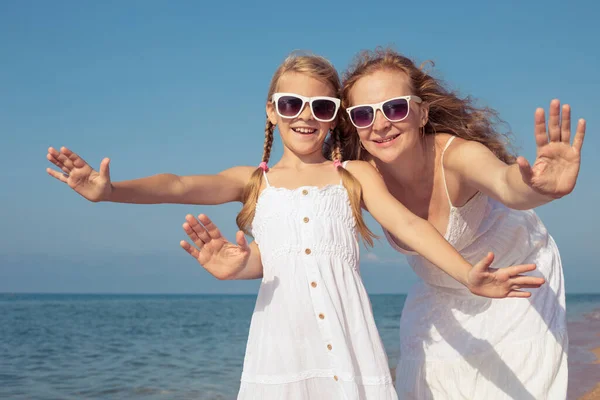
[219,257]
[501,282]
[79,175]
[556,167]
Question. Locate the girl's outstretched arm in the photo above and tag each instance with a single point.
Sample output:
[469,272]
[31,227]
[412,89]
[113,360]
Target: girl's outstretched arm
[421,236]
[96,186]
[521,186]
[222,259]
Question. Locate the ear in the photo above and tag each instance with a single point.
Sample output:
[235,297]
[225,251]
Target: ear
[424,114]
[271,112]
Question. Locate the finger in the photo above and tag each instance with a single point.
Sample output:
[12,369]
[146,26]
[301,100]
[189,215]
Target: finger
[210,227]
[198,229]
[579,135]
[240,239]
[485,263]
[64,160]
[524,281]
[525,169]
[73,158]
[520,269]
[518,293]
[541,137]
[192,233]
[565,124]
[58,164]
[57,175]
[105,168]
[516,287]
[554,121]
[191,250]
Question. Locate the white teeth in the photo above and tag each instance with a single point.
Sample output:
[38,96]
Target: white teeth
[304,130]
[387,140]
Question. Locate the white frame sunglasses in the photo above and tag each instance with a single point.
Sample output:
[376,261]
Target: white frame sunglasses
[379,106]
[310,100]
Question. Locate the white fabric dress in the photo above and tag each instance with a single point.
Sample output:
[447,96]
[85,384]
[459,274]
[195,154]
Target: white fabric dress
[312,334]
[455,345]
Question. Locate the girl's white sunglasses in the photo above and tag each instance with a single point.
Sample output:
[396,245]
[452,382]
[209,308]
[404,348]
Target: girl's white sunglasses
[395,110]
[290,105]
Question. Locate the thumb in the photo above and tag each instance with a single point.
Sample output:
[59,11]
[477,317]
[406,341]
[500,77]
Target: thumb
[525,169]
[240,239]
[484,264]
[105,168]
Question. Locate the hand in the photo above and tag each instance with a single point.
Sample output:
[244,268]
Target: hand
[501,282]
[219,257]
[554,172]
[94,186]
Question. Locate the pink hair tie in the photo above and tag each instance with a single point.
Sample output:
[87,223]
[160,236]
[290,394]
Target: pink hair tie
[337,163]
[263,166]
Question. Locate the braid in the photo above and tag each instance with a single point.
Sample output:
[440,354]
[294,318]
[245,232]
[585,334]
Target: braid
[252,189]
[336,151]
[269,128]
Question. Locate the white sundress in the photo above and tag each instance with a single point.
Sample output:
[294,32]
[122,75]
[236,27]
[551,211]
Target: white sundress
[312,334]
[455,345]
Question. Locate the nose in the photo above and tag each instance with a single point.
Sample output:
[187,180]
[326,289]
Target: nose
[381,123]
[306,112]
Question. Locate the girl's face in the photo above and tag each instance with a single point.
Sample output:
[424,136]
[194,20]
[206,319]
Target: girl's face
[385,140]
[303,134]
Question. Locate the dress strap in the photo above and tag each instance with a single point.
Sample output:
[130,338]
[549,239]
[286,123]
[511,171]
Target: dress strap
[444,172]
[343,166]
[266,179]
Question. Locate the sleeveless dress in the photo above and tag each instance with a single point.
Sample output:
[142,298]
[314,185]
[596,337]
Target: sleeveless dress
[455,345]
[312,334]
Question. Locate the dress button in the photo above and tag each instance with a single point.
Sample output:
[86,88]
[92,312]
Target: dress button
[329,347]
[335,377]
[313,284]
[307,251]
[321,316]
[305,192]
[305,219]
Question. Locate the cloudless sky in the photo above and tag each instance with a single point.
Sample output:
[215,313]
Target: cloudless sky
[180,87]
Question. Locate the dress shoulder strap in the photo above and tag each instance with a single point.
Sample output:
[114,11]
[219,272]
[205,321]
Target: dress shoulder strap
[444,172]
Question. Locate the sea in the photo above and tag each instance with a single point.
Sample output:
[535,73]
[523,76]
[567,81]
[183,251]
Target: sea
[119,346]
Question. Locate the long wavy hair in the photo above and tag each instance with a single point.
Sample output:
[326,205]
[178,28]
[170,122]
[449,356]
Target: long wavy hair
[448,113]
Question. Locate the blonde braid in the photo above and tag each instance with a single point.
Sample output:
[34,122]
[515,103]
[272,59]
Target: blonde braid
[252,189]
[353,188]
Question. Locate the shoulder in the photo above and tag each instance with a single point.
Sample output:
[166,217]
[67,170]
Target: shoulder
[240,173]
[358,167]
[460,153]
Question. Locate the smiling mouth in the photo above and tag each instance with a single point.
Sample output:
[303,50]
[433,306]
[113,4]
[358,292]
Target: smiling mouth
[386,140]
[304,131]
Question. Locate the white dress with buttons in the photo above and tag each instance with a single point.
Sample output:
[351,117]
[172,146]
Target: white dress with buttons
[312,334]
[455,345]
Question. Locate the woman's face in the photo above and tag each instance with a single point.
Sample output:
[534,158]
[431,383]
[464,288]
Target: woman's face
[385,140]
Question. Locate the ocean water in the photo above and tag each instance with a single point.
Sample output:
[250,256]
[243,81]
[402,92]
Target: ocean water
[173,346]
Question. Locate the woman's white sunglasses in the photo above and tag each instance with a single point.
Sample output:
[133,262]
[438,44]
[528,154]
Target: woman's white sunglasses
[394,110]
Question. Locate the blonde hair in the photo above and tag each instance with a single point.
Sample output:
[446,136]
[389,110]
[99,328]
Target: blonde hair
[448,113]
[321,69]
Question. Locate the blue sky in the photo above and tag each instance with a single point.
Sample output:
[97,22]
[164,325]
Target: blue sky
[149,84]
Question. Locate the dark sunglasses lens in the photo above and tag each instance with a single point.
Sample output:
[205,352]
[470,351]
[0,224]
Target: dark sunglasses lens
[396,110]
[362,116]
[289,106]
[324,109]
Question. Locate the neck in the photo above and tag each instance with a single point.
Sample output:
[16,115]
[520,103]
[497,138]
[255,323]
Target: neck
[293,160]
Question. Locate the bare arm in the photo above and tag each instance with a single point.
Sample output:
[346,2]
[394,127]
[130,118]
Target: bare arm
[225,187]
[420,235]
[96,186]
[520,186]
